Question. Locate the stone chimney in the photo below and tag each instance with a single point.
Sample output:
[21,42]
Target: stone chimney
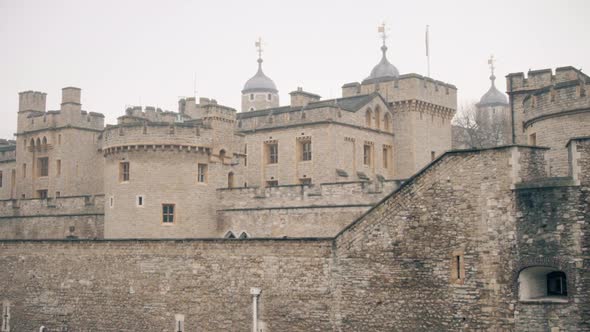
[70,99]
[300,98]
[31,101]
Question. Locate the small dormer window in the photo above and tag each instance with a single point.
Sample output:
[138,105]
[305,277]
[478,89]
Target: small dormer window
[251,96]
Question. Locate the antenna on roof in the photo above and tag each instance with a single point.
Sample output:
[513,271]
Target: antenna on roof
[195,85]
[427,40]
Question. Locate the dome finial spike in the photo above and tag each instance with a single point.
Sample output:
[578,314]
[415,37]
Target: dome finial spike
[491,61]
[258,45]
[382,30]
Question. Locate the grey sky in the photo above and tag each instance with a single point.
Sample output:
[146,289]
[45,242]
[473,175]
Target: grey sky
[121,52]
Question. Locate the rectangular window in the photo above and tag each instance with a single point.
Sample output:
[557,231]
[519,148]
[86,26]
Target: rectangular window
[58,167]
[202,173]
[59,139]
[367,154]
[432,155]
[24,170]
[42,194]
[306,150]
[273,153]
[112,202]
[533,139]
[457,267]
[272,183]
[124,171]
[305,181]
[385,157]
[140,201]
[251,96]
[43,165]
[1,180]
[57,194]
[168,213]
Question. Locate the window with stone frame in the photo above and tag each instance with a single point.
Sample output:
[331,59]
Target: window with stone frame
[367,154]
[43,166]
[168,211]
[124,171]
[457,267]
[305,149]
[272,183]
[202,170]
[305,181]
[42,194]
[386,156]
[272,152]
[5,316]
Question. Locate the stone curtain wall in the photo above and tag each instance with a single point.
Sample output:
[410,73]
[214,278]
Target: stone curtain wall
[553,230]
[53,218]
[393,270]
[395,265]
[141,285]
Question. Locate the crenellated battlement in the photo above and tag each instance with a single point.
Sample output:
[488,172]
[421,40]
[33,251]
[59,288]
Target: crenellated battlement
[558,99]
[537,79]
[159,135]
[151,114]
[324,194]
[33,117]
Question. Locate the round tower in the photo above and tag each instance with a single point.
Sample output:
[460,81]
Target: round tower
[260,92]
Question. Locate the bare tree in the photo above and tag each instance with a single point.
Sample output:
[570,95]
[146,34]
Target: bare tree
[474,128]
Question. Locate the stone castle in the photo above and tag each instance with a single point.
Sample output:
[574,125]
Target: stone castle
[353,214]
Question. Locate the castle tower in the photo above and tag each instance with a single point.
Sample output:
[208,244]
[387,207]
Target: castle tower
[259,92]
[493,112]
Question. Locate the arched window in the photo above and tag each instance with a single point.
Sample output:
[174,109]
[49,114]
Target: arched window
[229,235]
[377,117]
[387,122]
[44,140]
[230,180]
[38,143]
[542,283]
[32,143]
[368,117]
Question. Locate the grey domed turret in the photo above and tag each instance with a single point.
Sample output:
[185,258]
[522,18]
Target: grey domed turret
[493,97]
[260,82]
[260,91]
[384,70]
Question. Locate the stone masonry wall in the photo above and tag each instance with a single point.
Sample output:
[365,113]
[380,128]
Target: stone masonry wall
[54,218]
[142,285]
[298,210]
[395,265]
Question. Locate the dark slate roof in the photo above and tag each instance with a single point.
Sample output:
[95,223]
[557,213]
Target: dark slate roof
[351,104]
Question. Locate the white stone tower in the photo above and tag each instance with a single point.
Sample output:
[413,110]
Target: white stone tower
[259,92]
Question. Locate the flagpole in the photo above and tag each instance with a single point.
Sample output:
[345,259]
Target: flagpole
[427,53]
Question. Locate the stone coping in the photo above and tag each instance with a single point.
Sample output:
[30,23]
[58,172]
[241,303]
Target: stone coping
[178,240]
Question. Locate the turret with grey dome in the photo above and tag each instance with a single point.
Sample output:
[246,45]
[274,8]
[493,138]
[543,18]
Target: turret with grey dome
[260,91]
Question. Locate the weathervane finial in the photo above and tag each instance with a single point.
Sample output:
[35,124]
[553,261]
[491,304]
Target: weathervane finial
[258,45]
[491,63]
[381,29]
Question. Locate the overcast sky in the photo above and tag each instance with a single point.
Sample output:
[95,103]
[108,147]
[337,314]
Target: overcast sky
[126,52]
